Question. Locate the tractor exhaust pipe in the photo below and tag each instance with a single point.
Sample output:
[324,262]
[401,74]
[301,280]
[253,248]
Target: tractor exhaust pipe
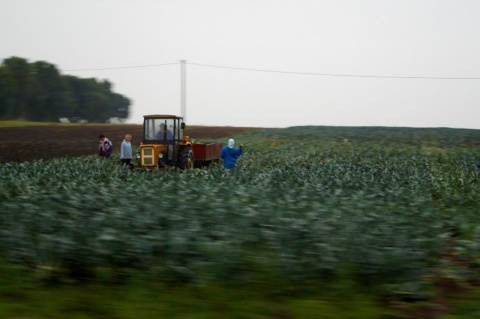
[183,90]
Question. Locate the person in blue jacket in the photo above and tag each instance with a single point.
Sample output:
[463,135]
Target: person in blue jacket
[164,133]
[229,154]
[126,152]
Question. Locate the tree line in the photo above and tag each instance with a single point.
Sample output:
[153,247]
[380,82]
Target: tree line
[38,92]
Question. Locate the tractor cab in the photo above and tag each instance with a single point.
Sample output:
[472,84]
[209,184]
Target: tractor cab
[165,129]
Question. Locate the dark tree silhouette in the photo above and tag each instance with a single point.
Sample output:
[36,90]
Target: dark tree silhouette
[38,92]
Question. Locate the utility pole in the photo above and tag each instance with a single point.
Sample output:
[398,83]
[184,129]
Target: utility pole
[183,89]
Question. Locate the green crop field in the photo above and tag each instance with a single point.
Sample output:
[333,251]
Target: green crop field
[315,222]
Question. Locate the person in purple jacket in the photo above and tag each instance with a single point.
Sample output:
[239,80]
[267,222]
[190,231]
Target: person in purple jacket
[105,146]
[229,154]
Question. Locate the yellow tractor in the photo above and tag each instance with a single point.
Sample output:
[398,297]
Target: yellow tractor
[164,145]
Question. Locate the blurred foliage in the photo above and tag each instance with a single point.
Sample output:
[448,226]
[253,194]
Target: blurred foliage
[23,297]
[307,208]
[38,92]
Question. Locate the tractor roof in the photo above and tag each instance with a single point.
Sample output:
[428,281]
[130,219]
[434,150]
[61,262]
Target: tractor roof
[161,116]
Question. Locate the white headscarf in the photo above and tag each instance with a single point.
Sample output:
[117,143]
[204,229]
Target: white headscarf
[231,142]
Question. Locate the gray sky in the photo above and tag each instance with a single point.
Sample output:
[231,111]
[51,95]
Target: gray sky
[260,62]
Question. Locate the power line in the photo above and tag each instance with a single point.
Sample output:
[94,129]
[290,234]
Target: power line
[281,72]
[123,67]
[339,75]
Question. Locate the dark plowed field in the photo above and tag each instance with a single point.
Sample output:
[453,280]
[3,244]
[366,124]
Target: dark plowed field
[19,144]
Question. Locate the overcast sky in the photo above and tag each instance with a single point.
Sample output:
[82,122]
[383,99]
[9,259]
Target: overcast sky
[266,63]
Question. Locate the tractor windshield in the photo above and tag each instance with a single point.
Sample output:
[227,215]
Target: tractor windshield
[162,129]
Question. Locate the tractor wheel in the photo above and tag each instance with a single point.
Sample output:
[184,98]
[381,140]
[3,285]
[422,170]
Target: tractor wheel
[185,158]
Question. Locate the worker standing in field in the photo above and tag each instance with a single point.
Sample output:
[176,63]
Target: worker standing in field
[105,146]
[229,154]
[126,152]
